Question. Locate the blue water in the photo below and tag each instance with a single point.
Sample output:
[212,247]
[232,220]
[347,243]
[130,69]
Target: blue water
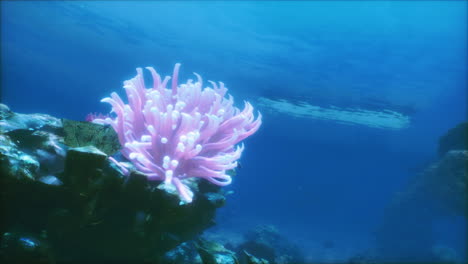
[315,178]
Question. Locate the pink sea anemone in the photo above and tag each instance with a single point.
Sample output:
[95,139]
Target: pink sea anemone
[171,134]
[92,116]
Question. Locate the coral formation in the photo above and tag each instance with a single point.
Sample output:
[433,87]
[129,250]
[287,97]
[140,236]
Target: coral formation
[406,232]
[63,200]
[182,132]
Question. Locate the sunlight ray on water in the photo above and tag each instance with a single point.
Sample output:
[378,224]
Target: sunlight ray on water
[385,119]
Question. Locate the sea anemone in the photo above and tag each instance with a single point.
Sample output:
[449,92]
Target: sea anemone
[172,134]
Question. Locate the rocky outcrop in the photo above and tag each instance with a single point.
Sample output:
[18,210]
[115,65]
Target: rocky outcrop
[439,191]
[64,198]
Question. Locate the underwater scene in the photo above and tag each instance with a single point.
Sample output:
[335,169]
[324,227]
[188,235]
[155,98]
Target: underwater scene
[219,132]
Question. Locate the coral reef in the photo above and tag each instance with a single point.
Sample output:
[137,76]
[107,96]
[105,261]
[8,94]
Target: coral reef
[439,191]
[261,245]
[63,199]
[268,246]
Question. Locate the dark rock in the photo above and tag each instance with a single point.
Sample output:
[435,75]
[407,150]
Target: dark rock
[17,247]
[455,139]
[214,253]
[60,181]
[182,254]
[406,231]
[251,259]
[82,167]
[266,242]
[28,138]
[446,181]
